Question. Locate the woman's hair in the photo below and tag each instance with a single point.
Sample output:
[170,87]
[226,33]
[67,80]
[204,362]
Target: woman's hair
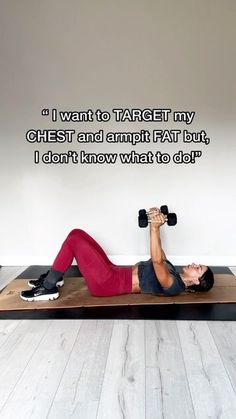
[206,282]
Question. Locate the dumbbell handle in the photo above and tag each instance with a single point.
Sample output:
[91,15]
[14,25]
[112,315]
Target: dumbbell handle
[149,221]
[151,212]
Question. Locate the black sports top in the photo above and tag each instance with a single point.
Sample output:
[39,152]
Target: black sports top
[149,283]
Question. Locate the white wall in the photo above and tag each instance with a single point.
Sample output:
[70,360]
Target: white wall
[85,54]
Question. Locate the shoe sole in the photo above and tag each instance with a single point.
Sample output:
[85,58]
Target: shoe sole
[41,298]
[58,284]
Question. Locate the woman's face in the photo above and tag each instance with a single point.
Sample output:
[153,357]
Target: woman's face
[195,271]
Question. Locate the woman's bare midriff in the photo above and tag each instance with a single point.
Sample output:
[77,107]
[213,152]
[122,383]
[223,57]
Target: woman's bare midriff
[135,281]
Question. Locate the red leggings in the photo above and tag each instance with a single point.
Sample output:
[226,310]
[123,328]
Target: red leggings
[102,277]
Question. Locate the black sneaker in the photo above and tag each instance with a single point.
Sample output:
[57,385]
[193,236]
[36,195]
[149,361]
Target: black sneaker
[33,283]
[40,294]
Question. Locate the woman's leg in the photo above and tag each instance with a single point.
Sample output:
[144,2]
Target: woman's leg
[67,253]
[101,275]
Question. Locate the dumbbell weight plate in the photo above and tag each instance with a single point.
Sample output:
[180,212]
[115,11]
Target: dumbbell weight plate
[142,218]
[164,209]
[172,219]
[142,213]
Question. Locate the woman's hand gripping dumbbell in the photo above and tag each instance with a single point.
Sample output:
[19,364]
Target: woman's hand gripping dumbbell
[146,217]
[156,218]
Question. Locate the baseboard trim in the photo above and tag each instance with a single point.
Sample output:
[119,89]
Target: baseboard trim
[127,260]
[178,260]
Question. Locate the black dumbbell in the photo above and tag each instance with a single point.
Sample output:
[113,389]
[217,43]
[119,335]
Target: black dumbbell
[143,217]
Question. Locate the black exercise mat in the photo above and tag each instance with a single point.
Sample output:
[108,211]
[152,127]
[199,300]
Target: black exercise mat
[216,312]
[34,271]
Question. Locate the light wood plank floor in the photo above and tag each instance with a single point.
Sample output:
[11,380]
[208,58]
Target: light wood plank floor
[121,369]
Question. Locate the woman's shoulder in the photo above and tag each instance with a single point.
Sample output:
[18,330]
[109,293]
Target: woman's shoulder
[178,285]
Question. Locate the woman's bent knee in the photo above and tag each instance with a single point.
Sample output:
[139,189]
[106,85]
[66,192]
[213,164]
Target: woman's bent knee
[76,232]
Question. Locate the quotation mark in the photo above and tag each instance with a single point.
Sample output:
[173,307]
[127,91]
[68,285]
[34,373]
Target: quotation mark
[45,112]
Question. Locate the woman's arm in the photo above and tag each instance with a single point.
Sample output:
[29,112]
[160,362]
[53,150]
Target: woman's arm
[157,253]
